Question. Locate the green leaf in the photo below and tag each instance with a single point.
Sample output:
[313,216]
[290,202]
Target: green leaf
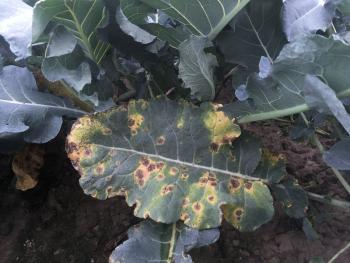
[197,67]
[281,94]
[255,32]
[198,17]
[173,160]
[80,17]
[308,229]
[292,197]
[344,7]
[155,242]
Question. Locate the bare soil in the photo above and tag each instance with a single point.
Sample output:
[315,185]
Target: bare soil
[55,222]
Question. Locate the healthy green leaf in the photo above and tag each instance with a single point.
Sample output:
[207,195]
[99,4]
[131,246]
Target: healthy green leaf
[172,160]
[302,18]
[196,67]
[256,31]
[199,17]
[155,242]
[322,98]
[344,7]
[80,17]
[338,156]
[282,93]
[27,114]
[15,26]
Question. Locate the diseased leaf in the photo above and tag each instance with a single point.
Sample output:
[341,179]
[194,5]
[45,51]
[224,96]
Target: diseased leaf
[271,168]
[302,18]
[321,97]
[281,94]
[292,197]
[197,67]
[15,26]
[27,114]
[255,32]
[82,18]
[338,156]
[155,242]
[172,160]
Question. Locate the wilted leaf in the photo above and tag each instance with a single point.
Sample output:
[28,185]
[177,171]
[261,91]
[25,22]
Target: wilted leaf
[292,197]
[155,242]
[26,165]
[26,113]
[338,156]
[197,67]
[282,93]
[82,18]
[302,18]
[15,26]
[321,97]
[255,32]
[172,160]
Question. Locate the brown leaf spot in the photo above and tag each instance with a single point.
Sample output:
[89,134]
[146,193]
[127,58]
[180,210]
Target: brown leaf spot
[167,189]
[185,202]
[160,165]
[160,176]
[197,207]
[184,176]
[100,169]
[160,140]
[145,161]
[214,147]
[234,184]
[151,167]
[87,152]
[174,171]
[211,199]
[238,212]
[106,131]
[248,185]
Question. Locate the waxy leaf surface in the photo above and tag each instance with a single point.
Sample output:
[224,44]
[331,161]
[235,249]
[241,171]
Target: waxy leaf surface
[173,160]
[156,242]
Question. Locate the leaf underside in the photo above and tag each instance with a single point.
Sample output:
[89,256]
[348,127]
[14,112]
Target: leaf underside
[174,161]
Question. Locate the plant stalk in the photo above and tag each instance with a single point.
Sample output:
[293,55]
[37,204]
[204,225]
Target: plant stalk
[339,253]
[328,200]
[322,150]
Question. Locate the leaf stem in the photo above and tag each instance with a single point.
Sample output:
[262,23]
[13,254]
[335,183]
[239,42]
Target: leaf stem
[322,150]
[339,253]
[172,243]
[328,200]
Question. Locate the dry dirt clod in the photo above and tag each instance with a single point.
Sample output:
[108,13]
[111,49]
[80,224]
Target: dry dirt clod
[26,165]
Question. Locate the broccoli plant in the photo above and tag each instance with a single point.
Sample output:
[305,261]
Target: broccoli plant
[144,77]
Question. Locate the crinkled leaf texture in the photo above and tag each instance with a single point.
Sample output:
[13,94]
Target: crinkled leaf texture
[80,17]
[155,242]
[281,94]
[198,17]
[302,18]
[174,161]
[338,156]
[15,26]
[256,31]
[27,114]
[197,67]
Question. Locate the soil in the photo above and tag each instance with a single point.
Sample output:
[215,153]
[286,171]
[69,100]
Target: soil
[56,222]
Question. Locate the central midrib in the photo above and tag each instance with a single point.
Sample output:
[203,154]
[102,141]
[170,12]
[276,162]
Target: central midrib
[166,159]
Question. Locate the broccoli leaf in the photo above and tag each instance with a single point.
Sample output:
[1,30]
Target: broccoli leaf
[155,242]
[173,160]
